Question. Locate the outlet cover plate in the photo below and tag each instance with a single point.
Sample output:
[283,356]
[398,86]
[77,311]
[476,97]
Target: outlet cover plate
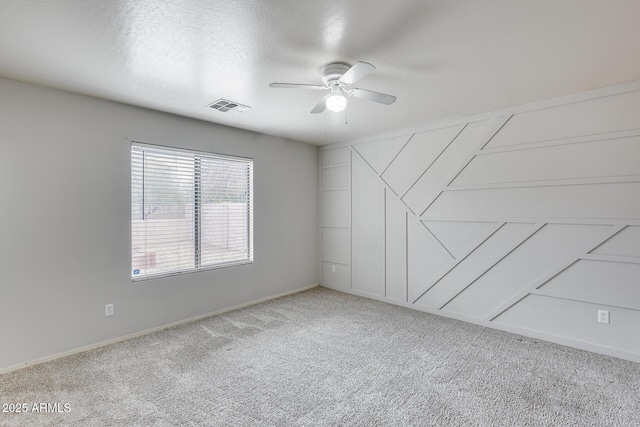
[108,310]
[603,316]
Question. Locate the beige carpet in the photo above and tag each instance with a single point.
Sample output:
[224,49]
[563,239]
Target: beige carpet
[321,357]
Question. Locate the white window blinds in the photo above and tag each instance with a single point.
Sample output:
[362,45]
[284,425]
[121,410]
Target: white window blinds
[189,210]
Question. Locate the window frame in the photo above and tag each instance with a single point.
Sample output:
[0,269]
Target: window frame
[198,154]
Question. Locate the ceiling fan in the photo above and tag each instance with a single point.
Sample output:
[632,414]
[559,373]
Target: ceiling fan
[338,77]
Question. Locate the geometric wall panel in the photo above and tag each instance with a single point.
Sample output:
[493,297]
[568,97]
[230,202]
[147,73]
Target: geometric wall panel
[426,258]
[335,274]
[396,249]
[543,251]
[441,172]
[335,156]
[459,236]
[477,263]
[592,117]
[416,157]
[626,243]
[335,208]
[594,159]
[589,201]
[335,245]
[334,177]
[576,321]
[609,283]
[367,230]
[380,153]
[527,219]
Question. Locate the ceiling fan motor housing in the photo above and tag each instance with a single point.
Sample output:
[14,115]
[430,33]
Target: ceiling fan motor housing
[333,71]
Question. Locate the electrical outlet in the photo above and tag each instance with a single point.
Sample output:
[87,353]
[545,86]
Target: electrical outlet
[603,316]
[108,310]
[333,268]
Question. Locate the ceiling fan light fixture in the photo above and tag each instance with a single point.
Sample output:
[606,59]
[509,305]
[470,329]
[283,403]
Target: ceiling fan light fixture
[336,102]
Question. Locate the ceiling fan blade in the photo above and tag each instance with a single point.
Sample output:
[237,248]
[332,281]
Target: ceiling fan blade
[381,98]
[321,106]
[297,86]
[355,73]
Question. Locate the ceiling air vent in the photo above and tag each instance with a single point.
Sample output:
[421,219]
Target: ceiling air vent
[226,106]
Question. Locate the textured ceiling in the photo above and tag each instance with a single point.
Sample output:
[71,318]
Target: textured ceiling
[440,58]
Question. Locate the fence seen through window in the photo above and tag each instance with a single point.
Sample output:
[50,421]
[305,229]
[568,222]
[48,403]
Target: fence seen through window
[189,210]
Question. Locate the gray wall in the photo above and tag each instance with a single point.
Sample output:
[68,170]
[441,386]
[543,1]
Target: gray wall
[526,220]
[65,221]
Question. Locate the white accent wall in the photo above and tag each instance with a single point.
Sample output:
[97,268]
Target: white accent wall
[526,220]
[65,215]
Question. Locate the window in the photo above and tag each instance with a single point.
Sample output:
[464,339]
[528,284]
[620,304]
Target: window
[189,211]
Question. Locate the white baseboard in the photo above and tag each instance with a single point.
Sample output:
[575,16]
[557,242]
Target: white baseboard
[148,331]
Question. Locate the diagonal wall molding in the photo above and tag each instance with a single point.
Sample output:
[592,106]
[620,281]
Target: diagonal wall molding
[562,265]
[555,181]
[412,216]
[498,258]
[418,293]
[450,163]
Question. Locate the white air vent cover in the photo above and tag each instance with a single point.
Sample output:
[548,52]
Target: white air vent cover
[226,106]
